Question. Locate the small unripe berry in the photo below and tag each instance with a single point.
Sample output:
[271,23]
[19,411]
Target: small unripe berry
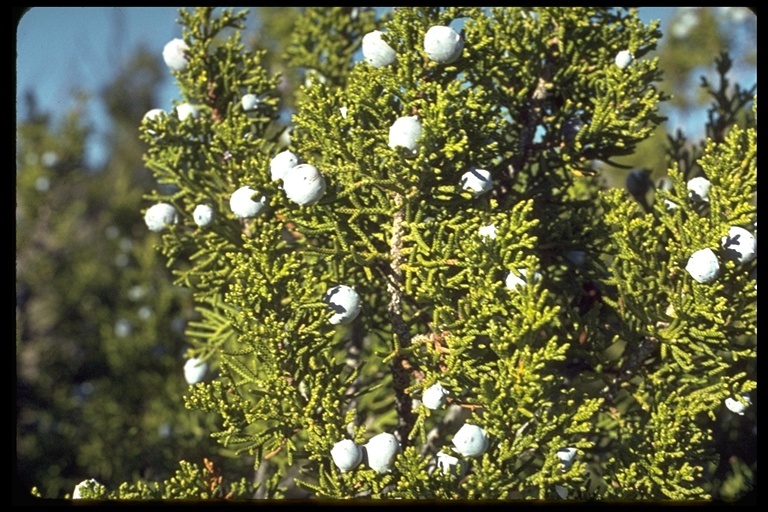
[345,302]
[194,370]
[518,279]
[623,59]
[478,181]
[376,51]
[405,132]
[242,204]
[434,396]
[739,245]
[443,44]
[282,163]
[381,450]
[303,184]
[174,54]
[346,454]
[698,189]
[703,266]
[185,110]
[203,215]
[160,216]
[471,440]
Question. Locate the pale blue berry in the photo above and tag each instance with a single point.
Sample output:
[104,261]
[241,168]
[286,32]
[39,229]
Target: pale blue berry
[174,54]
[376,51]
[442,44]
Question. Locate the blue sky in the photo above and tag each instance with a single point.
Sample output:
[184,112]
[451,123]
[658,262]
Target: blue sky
[64,49]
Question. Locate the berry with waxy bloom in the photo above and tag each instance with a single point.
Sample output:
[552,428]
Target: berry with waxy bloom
[194,370]
[77,493]
[447,463]
[282,163]
[739,245]
[471,440]
[187,110]
[243,205]
[203,215]
[160,216]
[442,44]
[703,266]
[381,451]
[623,59]
[250,102]
[477,181]
[174,54]
[698,188]
[376,51]
[155,113]
[405,132]
[434,396]
[344,301]
[303,184]
[346,454]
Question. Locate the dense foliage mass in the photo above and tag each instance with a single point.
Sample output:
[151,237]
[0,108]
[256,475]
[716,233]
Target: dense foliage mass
[421,287]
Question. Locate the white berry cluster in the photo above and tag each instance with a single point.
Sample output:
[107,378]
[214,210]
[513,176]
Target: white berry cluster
[303,183]
[162,215]
[738,245]
[442,44]
[380,452]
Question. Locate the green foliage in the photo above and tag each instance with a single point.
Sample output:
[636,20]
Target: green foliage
[607,348]
[190,482]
